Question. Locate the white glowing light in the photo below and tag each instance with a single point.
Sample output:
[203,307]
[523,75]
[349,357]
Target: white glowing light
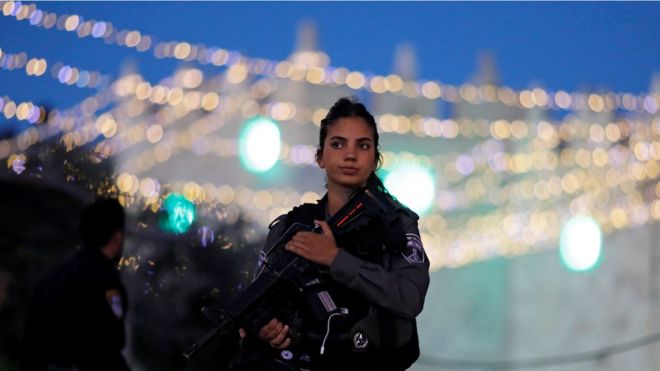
[412,185]
[259,145]
[580,243]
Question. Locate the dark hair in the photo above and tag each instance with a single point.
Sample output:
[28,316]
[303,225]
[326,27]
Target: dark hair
[350,107]
[100,220]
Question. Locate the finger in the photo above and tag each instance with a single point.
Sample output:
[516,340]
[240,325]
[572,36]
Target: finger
[300,250]
[303,236]
[263,334]
[281,337]
[276,330]
[269,330]
[324,227]
[285,344]
[296,247]
[271,325]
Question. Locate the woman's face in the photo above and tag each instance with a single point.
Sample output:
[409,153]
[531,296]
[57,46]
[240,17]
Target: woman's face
[349,153]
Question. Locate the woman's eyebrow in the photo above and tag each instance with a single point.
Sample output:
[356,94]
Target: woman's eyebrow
[363,139]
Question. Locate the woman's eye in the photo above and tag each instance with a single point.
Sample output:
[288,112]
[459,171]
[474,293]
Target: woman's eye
[336,145]
[365,146]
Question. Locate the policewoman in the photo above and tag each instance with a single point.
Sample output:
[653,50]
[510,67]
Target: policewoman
[358,311]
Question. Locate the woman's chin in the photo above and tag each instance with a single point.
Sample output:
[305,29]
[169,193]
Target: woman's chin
[351,184]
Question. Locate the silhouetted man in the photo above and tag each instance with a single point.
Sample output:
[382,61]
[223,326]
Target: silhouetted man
[76,320]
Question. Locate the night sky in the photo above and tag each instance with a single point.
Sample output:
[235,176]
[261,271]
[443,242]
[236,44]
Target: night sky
[585,46]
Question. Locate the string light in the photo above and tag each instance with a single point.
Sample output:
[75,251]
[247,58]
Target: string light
[64,74]
[500,129]
[547,192]
[607,170]
[22,111]
[519,163]
[304,155]
[524,229]
[56,123]
[452,241]
[541,222]
[241,65]
[420,126]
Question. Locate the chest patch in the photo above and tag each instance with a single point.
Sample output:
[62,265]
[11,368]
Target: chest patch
[414,251]
[114,301]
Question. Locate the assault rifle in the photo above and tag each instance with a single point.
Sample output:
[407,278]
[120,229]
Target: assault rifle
[281,266]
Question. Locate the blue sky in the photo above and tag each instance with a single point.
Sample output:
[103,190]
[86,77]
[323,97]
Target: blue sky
[602,46]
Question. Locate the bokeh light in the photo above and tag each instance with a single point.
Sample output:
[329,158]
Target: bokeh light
[178,214]
[259,144]
[580,243]
[412,185]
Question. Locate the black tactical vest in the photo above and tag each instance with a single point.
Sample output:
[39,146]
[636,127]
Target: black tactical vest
[371,243]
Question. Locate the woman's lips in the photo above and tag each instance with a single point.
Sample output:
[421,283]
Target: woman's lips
[348,170]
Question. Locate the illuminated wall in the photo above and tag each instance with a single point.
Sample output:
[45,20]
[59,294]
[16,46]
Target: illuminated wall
[533,311]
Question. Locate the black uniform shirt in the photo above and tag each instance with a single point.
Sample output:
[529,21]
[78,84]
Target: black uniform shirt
[397,282]
[77,316]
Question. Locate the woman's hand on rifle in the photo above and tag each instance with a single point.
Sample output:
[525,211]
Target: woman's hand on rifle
[274,333]
[317,248]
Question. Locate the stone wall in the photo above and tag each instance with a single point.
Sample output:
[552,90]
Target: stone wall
[531,307]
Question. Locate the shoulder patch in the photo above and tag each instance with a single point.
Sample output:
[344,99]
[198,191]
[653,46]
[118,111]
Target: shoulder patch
[114,301]
[414,250]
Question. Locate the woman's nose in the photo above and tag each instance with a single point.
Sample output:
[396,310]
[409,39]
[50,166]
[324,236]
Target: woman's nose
[350,153]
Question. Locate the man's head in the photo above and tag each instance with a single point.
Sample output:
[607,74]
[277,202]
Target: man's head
[102,226]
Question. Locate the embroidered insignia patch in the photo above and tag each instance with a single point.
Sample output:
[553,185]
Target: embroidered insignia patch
[114,300]
[414,251]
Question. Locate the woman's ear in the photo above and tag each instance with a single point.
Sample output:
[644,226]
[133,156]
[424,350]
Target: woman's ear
[319,158]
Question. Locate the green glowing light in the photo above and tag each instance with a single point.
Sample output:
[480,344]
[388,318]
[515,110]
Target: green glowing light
[179,214]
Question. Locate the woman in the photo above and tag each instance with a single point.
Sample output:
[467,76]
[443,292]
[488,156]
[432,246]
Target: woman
[370,284]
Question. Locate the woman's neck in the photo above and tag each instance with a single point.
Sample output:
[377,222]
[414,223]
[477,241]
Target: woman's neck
[338,197]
